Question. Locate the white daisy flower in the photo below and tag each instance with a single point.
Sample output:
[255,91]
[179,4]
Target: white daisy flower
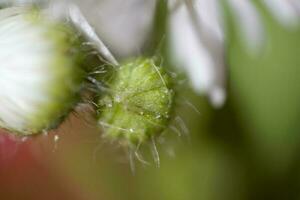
[196,31]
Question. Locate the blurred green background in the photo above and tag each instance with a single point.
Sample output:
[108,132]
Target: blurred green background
[249,149]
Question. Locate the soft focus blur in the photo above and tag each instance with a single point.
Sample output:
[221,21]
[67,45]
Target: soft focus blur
[237,136]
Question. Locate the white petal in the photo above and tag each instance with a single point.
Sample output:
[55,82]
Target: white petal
[287,12]
[250,23]
[123,25]
[199,50]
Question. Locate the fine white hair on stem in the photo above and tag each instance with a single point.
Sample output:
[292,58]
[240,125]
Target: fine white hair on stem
[182,125]
[155,153]
[131,160]
[192,106]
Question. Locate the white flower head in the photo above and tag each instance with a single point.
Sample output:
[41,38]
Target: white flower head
[39,78]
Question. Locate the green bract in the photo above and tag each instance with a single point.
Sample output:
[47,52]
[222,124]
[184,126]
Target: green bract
[138,104]
[40,73]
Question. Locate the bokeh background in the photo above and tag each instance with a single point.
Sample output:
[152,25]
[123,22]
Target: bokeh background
[247,149]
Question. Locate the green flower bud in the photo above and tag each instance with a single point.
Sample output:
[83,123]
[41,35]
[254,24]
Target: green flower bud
[40,73]
[138,104]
